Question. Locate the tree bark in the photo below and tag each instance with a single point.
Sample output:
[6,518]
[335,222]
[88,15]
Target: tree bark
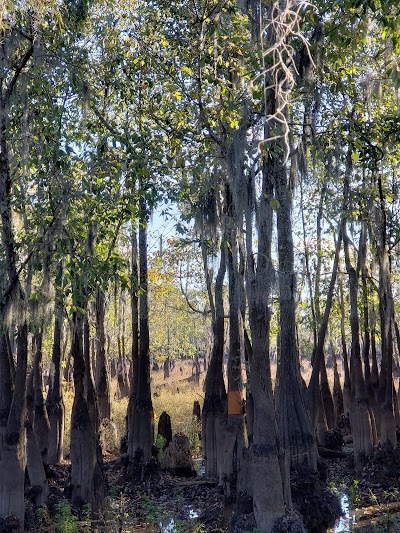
[346,367]
[34,456]
[90,390]
[87,478]
[360,414]
[6,385]
[215,399]
[54,400]
[294,423]
[10,357]
[13,442]
[134,288]
[135,312]
[166,368]
[386,313]
[141,429]
[41,425]
[326,396]
[122,374]
[102,376]
[235,441]
[337,388]
[315,324]
[374,370]
[12,436]
[313,392]
[269,481]
[362,268]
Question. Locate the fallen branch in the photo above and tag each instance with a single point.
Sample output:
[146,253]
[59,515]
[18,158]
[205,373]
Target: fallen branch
[326,453]
[191,483]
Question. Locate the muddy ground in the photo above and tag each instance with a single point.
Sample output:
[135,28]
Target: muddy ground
[169,504]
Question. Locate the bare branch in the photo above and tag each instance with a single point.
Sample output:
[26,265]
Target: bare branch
[184,293]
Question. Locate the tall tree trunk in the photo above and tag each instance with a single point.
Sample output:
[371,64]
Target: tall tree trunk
[134,289]
[328,417]
[12,437]
[90,390]
[235,433]
[374,370]
[269,479]
[215,399]
[10,502]
[102,375]
[41,424]
[313,392]
[346,367]
[135,311]
[387,418]
[360,414]
[87,478]
[326,396]
[362,267]
[141,429]
[13,442]
[122,374]
[268,458]
[293,419]
[337,388]
[10,356]
[6,385]
[321,423]
[54,400]
[34,459]
[365,310]
[386,312]
[66,354]
[307,263]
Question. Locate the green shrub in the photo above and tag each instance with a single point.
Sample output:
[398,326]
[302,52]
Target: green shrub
[65,521]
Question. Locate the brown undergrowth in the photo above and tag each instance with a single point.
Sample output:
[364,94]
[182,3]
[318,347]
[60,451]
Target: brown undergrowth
[175,395]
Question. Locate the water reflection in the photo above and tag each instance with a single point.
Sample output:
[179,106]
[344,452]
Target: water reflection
[168,527]
[199,466]
[169,524]
[345,522]
[193,514]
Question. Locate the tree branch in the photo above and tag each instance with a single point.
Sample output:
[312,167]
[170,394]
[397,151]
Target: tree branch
[191,306]
[23,62]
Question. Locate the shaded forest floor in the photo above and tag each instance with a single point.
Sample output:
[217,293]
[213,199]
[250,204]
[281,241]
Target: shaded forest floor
[167,504]
[163,503]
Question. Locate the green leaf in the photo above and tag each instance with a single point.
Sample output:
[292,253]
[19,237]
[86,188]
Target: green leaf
[274,203]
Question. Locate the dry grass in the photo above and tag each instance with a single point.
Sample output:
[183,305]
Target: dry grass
[174,395]
[306,370]
[178,404]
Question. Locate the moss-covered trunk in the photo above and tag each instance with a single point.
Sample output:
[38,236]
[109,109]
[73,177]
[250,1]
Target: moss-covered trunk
[215,399]
[141,420]
[87,479]
[294,422]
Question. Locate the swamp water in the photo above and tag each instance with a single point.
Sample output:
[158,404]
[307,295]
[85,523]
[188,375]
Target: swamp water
[169,525]
[379,518]
[343,525]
